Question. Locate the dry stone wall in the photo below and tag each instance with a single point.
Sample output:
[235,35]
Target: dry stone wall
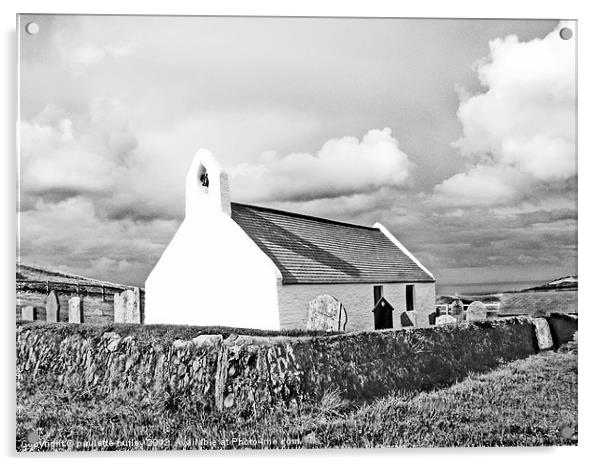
[225,371]
[562,327]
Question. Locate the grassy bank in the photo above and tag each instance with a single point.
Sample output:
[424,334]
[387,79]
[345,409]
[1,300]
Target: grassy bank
[527,402]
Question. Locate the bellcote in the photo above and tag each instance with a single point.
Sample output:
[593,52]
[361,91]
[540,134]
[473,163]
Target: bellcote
[207,185]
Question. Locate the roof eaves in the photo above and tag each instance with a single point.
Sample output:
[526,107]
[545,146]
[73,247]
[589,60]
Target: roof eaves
[351,281]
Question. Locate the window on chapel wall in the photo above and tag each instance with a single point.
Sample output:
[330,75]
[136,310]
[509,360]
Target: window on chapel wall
[409,297]
[378,293]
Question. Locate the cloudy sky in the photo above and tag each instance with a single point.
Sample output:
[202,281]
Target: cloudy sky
[458,135]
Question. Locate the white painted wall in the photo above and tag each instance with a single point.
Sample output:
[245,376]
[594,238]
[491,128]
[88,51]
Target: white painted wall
[212,273]
[358,300]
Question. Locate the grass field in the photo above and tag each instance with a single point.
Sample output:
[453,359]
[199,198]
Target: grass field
[527,402]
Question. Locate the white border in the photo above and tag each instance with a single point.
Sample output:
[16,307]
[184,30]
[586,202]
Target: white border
[589,194]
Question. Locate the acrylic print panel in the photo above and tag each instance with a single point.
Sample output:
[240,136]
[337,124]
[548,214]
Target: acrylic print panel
[320,232]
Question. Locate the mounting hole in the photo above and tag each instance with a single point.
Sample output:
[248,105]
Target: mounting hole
[32,28]
[566,33]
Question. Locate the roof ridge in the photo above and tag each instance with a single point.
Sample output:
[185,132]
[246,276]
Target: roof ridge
[305,216]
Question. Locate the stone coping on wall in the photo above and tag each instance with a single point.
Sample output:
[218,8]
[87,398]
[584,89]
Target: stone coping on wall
[239,335]
[223,371]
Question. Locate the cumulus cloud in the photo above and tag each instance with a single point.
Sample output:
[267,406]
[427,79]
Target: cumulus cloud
[519,133]
[482,185]
[480,243]
[102,177]
[75,154]
[341,167]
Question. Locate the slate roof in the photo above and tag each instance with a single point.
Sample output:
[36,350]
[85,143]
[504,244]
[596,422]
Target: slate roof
[315,250]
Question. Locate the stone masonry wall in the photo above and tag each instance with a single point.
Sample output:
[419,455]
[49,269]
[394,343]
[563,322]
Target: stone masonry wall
[246,372]
[358,300]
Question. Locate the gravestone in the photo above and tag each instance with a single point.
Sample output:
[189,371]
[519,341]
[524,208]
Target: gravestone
[543,334]
[132,306]
[408,318]
[326,313]
[457,310]
[76,310]
[119,308]
[445,319]
[476,311]
[127,307]
[52,308]
[29,313]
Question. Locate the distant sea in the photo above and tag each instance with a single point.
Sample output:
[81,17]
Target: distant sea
[484,288]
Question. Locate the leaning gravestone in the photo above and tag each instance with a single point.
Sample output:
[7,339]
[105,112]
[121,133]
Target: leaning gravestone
[29,313]
[76,310]
[408,318]
[543,334]
[445,319]
[476,311]
[52,308]
[326,313]
[457,310]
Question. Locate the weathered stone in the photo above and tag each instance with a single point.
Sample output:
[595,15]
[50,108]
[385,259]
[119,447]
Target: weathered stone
[127,307]
[258,370]
[29,313]
[76,310]
[476,311]
[445,319]
[178,344]
[52,307]
[326,313]
[563,327]
[132,306]
[119,308]
[543,334]
[113,340]
[457,310]
[408,318]
[229,401]
[207,340]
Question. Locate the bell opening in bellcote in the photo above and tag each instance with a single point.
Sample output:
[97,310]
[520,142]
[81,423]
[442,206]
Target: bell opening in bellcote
[204,179]
[206,185]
